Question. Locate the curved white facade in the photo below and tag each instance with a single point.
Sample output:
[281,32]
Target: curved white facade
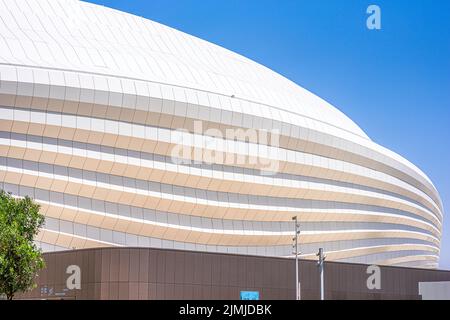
[92,101]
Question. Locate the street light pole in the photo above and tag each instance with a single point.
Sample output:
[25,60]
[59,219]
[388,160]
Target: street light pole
[320,263]
[297,283]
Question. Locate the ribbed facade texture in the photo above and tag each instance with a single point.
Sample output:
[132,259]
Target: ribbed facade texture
[94,101]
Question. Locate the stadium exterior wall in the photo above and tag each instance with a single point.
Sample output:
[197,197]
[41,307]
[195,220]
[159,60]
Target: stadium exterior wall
[117,126]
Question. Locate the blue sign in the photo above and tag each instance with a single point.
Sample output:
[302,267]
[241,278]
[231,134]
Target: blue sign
[249,295]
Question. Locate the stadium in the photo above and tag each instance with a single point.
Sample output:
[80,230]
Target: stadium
[129,133]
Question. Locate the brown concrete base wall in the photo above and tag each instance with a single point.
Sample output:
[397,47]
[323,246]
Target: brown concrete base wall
[145,273]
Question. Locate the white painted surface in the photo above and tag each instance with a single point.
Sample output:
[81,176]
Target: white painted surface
[435,290]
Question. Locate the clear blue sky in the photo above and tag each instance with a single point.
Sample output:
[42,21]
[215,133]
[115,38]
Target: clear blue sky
[394,83]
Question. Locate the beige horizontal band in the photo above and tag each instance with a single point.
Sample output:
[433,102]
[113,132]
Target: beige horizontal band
[145,199]
[175,122]
[198,235]
[357,252]
[267,185]
[76,242]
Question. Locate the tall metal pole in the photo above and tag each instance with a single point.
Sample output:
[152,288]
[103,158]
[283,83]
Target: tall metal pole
[297,283]
[321,260]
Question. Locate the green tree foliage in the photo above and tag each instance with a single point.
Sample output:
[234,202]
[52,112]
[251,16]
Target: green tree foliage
[20,259]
